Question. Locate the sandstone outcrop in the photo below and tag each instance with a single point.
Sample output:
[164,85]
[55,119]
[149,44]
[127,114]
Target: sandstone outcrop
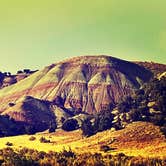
[87,83]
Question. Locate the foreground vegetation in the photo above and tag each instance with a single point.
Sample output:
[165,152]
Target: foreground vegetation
[137,139]
[26,157]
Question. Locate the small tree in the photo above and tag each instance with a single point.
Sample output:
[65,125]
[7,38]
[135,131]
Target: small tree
[87,128]
[9,144]
[44,140]
[27,71]
[19,72]
[70,124]
[52,126]
[105,148]
[105,120]
[32,138]
[29,129]
[2,76]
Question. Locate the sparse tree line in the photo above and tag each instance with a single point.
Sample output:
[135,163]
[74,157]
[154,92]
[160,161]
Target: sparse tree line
[24,71]
[6,78]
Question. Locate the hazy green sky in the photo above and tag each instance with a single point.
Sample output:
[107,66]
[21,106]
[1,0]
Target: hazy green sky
[36,33]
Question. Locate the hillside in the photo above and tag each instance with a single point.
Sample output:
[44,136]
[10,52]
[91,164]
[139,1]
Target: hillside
[88,84]
[148,104]
[92,92]
[85,110]
[137,139]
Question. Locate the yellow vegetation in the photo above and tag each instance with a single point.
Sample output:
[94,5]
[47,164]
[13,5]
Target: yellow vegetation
[138,139]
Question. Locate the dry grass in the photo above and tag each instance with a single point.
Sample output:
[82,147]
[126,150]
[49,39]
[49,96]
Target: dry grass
[138,139]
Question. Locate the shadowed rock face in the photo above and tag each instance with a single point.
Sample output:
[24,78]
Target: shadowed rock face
[156,68]
[88,83]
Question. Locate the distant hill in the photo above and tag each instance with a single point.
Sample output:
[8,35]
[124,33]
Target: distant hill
[7,79]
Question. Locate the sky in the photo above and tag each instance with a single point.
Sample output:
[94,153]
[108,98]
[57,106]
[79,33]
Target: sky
[36,33]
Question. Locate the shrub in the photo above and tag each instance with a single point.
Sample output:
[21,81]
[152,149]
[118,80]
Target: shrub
[29,129]
[2,76]
[70,125]
[11,104]
[9,144]
[52,126]
[104,120]
[32,138]
[87,128]
[44,140]
[68,153]
[19,72]
[163,129]
[27,71]
[105,148]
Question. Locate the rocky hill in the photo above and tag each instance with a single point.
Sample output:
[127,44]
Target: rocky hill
[88,84]
[117,107]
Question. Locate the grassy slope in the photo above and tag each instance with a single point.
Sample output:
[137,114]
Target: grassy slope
[139,138]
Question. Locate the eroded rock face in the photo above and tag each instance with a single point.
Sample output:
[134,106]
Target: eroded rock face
[88,83]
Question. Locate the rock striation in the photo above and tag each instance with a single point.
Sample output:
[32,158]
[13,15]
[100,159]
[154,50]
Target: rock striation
[86,83]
